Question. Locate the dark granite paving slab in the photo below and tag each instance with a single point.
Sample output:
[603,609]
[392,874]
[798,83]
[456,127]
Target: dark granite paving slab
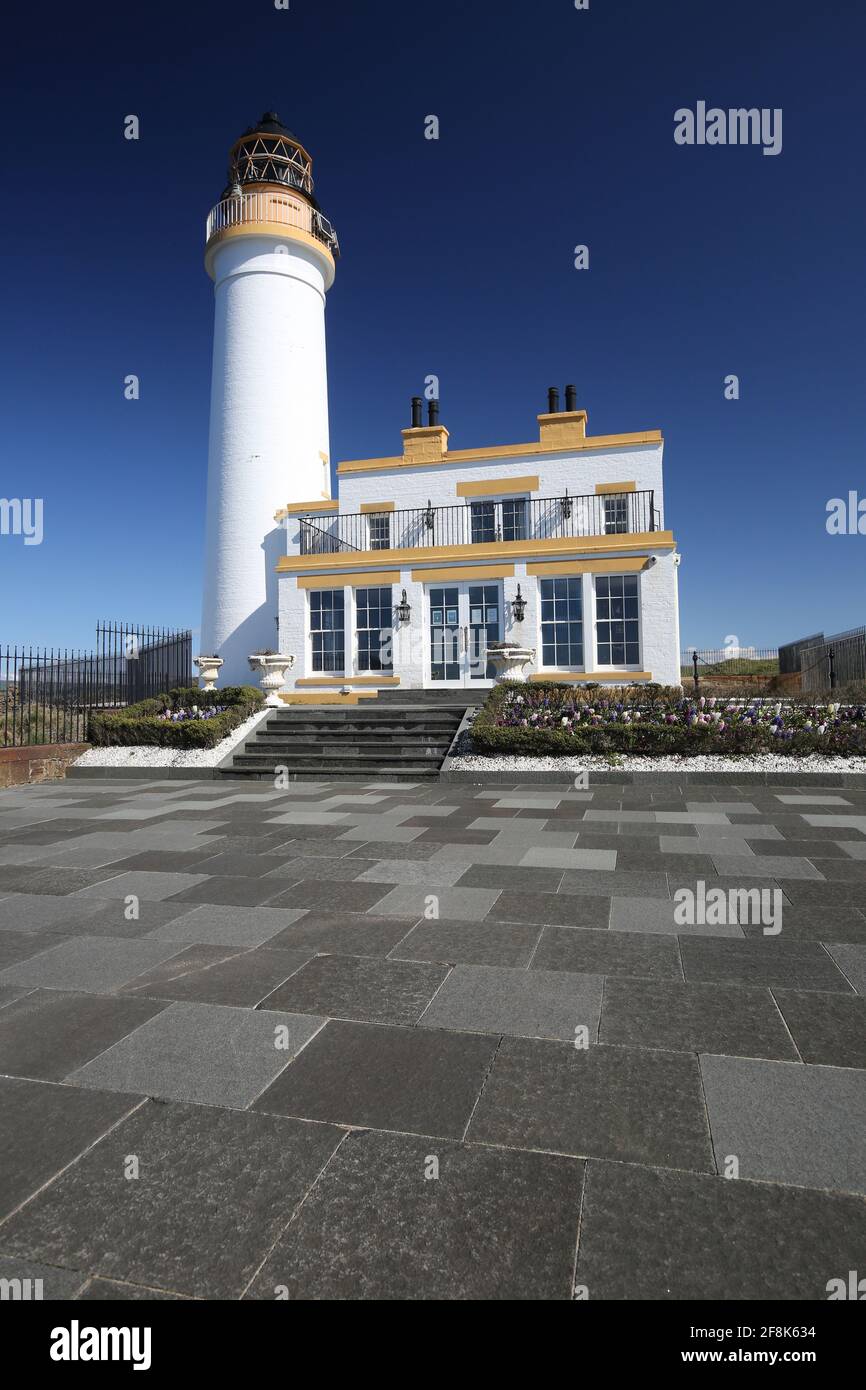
[604,1102]
[43,1282]
[54,882]
[362,988]
[851,960]
[327,896]
[765,961]
[236,865]
[46,1034]
[243,980]
[556,909]
[526,1003]
[112,1291]
[814,923]
[164,861]
[42,1128]
[222,925]
[188,960]
[9,993]
[520,877]
[803,892]
[29,912]
[615,884]
[298,869]
[508,944]
[209,1054]
[97,965]
[21,945]
[650,1234]
[349,933]
[803,1125]
[695,1018]
[492,1225]
[409,1079]
[215,1189]
[386,849]
[829,1029]
[231,892]
[608,953]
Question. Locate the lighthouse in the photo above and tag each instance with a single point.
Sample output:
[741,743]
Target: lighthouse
[271,255]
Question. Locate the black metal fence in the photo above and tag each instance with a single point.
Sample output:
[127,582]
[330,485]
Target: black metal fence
[481,522]
[730,661]
[834,661]
[46,693]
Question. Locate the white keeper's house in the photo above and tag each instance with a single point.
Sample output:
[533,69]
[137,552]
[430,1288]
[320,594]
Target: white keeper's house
[559,544]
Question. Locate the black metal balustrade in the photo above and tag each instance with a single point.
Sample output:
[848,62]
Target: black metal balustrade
[481,523]
[46,693]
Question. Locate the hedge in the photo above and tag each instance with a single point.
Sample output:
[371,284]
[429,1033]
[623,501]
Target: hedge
[551,718]
[141,724]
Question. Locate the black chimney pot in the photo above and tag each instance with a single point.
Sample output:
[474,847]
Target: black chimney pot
[571,398]
[552,400]
[417,407]
[433,412]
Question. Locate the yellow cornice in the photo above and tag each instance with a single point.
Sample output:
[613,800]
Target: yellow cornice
[327,504]
[602,677]
[534,450]
[377,507]
[498,487]
[605,488]
[449,572]
[493,550]
[626,564]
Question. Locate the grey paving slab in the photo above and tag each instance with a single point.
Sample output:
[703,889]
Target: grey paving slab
[491,1226]
[330,896]
[96,964]
[333,869]
[501,876]
[551,909]
[650,1234]
[736,834]
[507,944]
[233,892]
[22,945]
[415,1080]
[851,960]
[523,1003]
[765,866]
[377,850]
[500,854]
[344,933]
[829,1029]
[619,884]
[740,807]
[553,858]
[189,960]
[142,884]
[38,1282]
[467,904]
[709,844]
[362,988]
[42,1128]
[411,873]
[761,961]
[605,1102]
[507,825]
[800,799]
[217,1187]
[660,915]
[47,1032]
[114,1290]
[803,1125]
[31,912]
[637,954]
[221,925]
[244,979]
[211,1054]
[685,1017]
[855,849]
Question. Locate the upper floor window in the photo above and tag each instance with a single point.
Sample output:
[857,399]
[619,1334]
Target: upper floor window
[498,521]
[616,514]
[380,530]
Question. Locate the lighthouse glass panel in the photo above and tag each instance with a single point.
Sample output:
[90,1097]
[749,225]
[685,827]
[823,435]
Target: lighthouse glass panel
[374,626]
[616,615]
[445,634]
[484,610]
[561,623]
[327,631]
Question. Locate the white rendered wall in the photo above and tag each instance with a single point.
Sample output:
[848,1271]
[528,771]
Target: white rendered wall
[268,432]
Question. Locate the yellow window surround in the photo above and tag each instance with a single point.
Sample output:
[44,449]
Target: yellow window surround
[498,487]
[360,579]
[377,507]
[604,488]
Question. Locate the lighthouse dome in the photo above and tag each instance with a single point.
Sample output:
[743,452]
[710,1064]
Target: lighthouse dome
[268,153]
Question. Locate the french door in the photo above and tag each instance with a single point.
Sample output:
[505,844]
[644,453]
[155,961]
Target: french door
[462,620]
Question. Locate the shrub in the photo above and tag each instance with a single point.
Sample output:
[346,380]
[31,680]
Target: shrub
[146,722]
[545,718]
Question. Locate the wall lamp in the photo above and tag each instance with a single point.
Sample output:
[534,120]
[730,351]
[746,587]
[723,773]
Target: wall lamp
[403,609]
[518,606]
[565,506]
[429,516]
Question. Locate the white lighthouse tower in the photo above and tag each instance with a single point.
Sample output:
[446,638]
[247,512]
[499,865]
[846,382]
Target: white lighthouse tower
[270,254]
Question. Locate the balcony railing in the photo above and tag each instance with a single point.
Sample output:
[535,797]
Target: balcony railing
[481,523]
[272,205]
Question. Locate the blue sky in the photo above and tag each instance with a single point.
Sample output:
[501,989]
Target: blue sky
[556,128]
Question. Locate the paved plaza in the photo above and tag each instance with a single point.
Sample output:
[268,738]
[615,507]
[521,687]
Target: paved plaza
[370,1040]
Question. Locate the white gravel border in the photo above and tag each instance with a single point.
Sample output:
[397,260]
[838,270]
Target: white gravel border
[146,755]
[767,762]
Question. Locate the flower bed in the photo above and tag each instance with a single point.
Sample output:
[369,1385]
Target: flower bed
[545,718]
[180,719]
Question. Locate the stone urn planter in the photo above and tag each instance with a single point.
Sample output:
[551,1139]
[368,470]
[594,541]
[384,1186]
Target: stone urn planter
[273,668]
[509,660]
[208,670]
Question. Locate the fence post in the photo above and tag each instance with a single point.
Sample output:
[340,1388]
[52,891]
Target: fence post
[697,677]
[831,658]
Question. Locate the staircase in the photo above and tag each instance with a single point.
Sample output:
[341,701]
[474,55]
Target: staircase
[402,736]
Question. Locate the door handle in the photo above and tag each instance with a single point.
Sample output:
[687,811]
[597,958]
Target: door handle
[466,639]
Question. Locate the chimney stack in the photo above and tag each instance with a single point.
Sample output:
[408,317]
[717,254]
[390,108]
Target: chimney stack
[571,398]
[417,407]
[433,412]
